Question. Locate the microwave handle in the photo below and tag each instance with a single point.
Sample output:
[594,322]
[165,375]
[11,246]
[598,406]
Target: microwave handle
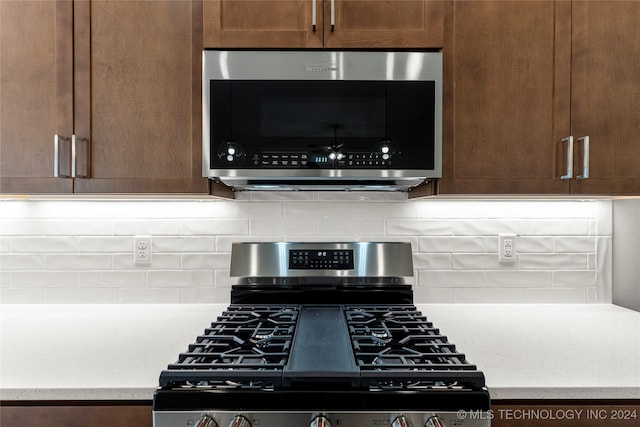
[569,141]
[313,15]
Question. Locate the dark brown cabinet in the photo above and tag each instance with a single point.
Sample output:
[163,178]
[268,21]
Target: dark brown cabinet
[72,414]
[527,75]
[125,79]
[323,23]
[36,93]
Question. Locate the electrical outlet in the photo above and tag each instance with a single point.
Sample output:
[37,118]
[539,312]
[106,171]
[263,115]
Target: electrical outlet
[507,248]
[142,250]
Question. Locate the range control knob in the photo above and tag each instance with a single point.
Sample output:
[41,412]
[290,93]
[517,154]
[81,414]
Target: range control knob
[206,421]
[401,421]
[239,421]
[321,421]
[434,422]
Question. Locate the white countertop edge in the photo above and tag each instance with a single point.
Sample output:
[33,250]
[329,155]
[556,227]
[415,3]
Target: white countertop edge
[106,394]
[564,393]
[146,394]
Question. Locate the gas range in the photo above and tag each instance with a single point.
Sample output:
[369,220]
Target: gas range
[321,334]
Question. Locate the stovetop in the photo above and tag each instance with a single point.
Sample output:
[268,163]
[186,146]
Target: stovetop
[364,347]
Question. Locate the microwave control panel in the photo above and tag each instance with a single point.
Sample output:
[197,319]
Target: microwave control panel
[279,160]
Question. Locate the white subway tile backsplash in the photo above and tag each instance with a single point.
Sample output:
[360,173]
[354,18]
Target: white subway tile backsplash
[573,244]
[20,227]
[147,296]
[56,251]
[182,279]
[452,244]
[79,296]
[518,279]
[297,227]
[5,244]
[451,278]
[44,279]
[22,296]
[486,295]
[78,261]
[112,279]
[30,261]
[79,227]
[418,227]
[213,227]
[552,261]
[555,295]
[432,261]
[574,279]
[357,227]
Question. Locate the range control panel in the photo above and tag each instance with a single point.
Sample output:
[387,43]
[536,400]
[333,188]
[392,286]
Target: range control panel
[321,259]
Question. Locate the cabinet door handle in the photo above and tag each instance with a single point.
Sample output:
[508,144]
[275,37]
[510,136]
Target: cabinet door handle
[333,15]
[57,140]
[74,157]
[569,141]
[313,15]
[585,157]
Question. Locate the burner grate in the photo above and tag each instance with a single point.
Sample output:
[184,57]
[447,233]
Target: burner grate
[395,346]
[247,345]
[391,347]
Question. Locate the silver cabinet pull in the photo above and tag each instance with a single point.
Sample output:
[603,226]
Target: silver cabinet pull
[569,141]
[585,157]
[57,140]
[313,15]
[333,15]
[86,150]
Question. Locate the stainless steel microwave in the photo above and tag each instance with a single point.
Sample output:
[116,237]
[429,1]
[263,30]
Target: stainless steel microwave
[367,120]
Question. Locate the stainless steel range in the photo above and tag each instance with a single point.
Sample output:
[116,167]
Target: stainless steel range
[321,335]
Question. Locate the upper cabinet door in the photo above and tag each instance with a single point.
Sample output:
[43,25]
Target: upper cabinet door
[263,23]
[323,24]
[36,70]
[383,23]
[138,96]
[606,95]
[506,92]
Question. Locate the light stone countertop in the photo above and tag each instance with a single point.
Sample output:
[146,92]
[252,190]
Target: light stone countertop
[116,352]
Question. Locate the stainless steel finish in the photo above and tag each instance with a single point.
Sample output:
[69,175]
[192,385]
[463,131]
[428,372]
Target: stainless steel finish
[569,141]
[57,139]
[74,157]
[320,421]
[321,65]
[347,419]
[401,421]
[333,15]
[435,421]
[313,15]
[370,259]
[336,180]
[239,421]
[206,421]
[585,157]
